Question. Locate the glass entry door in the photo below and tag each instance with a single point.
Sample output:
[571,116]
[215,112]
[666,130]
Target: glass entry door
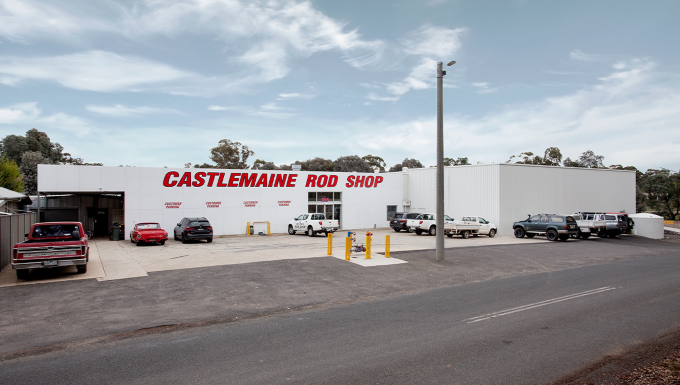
[327,203]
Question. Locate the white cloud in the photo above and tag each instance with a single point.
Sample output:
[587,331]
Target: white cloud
[631,117]
[433,41]
[120,110]
[24,20]
[481,84]
[92,71]
[426,42]
[270,110]
[29,114]
[577,54]
[295,96]
[421,78]
[376,98]
[275,32]
[369,85]
[19,112]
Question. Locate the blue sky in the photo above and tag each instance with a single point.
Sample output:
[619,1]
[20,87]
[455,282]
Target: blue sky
[160,82]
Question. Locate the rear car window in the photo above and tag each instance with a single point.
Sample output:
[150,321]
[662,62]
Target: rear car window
[54,230]
[412,216]
[610,217]
[398,215]
[199,223]
[556,219]
[571,219]
[148,226]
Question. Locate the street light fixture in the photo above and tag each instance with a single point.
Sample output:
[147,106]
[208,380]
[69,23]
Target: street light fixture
[439,220]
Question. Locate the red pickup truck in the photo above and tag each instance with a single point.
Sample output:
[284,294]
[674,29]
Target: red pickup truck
[52,244]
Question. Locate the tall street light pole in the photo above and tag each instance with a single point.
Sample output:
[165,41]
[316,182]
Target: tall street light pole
[439,220]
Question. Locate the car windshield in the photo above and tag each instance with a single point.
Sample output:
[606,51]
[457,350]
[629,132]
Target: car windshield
[148,226]
[447,218]
[54,231]
[199,223]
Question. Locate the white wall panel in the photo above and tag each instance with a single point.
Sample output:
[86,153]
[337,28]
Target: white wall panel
[90,178]
[48,178]
[112,178]
[69,178]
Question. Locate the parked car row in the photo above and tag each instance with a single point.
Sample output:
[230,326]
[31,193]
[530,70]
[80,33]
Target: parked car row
[426,223]
[188,229]
[579,225]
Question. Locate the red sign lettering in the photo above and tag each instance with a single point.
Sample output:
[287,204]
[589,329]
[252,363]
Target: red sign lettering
[248,181]
[311,181]
[166,180]
[291,180]
[199,179]
[350,181]
[212,178]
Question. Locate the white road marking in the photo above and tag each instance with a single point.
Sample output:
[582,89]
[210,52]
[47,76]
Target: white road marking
[537,304]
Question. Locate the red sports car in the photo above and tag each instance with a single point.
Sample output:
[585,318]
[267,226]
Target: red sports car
[148,233]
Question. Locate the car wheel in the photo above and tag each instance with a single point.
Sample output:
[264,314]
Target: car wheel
[209,240]
[519,232]
[132,239]
[184,238]
[530,235]
[397,229]
[433,230]
[139,243]
[551,235]
[492,233]
[174,235]
[564,238]
[410,230]
[418,232]
[82,269]
[22,273]
[466,234]
[310,231]
[162,243]
[602,234]
[290,230]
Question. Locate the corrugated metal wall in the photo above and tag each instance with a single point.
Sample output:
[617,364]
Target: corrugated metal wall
[12,230]
[505,193]
[528,189]
[468,190]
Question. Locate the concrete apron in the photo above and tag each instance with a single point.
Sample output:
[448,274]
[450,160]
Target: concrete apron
[119,260]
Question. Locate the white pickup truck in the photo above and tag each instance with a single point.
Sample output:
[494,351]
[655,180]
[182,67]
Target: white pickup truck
[426,223]
[589,224]
[470,225]
[312,224]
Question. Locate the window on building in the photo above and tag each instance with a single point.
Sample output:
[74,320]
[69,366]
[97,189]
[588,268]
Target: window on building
[390,211]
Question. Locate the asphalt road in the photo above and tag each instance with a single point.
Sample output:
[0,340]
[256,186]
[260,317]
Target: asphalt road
[530,329]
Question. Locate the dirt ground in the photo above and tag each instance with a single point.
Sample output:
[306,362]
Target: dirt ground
[654,363]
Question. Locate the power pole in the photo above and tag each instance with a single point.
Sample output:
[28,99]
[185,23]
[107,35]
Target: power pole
[439,220]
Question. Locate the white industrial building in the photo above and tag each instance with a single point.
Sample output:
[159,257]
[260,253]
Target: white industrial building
[501,193]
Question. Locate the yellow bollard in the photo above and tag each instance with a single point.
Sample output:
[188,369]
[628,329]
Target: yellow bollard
[268,233]
[348,246]
[330,244]
[248,229]
[387,246]
[368,247]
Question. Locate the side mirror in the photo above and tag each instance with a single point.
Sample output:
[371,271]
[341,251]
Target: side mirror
[75,234]
[25,235]
[179,225]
